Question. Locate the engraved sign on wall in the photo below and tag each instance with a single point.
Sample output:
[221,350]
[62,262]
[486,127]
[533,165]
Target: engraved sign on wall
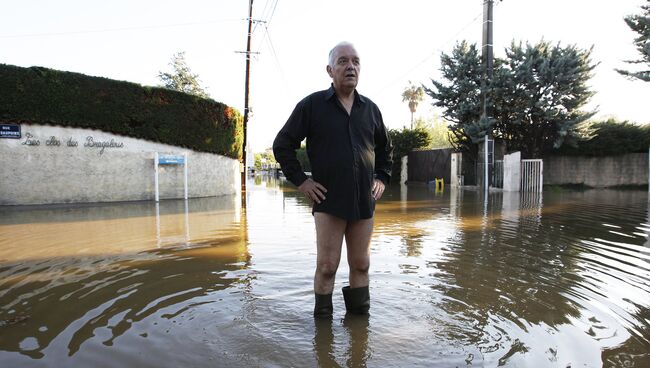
[90,142]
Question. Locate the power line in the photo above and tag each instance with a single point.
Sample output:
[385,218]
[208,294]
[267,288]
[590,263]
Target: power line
[267,22]
[262,17]
[273,12]
[134,28]
[434,52]
[275,57]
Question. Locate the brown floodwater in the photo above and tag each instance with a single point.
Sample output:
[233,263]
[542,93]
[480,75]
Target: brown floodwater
[553,280]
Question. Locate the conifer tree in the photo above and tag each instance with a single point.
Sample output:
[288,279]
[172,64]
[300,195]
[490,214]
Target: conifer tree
[640,23]
[537,92]
[182,79]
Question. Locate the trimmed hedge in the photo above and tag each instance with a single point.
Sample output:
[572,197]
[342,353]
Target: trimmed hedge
[610,137]
[46,96]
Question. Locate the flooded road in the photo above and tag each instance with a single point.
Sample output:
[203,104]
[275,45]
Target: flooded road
[556,280]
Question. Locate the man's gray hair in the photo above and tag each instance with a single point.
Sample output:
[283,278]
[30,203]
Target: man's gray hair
[332,51]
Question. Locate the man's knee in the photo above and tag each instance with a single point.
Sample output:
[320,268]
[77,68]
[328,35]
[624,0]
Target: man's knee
[360,265]
[327,269]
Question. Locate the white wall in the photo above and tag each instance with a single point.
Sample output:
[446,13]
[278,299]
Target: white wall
[57,171]
[512,172]
[404,174]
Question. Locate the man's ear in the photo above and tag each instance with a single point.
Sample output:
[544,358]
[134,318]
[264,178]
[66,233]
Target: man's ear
[329,71]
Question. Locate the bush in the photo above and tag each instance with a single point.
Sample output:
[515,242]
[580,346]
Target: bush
[405,141]
[46,96]
[608,138]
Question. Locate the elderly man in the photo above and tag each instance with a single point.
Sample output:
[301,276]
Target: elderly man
[351,156]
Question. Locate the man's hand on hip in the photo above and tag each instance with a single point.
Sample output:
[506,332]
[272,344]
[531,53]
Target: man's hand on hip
[313,190]
[377,189]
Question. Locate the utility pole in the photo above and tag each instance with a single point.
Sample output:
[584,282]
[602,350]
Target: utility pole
[487,56]
[246,93]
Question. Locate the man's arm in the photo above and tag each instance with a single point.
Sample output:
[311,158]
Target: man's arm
[288,141]
[284,149]
[383,153]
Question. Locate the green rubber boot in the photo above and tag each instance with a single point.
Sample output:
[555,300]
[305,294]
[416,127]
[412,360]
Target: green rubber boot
[357,300]
[323,306]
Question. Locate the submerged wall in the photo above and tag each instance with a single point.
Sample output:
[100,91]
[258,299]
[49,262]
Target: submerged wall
[608,171]
[52,164]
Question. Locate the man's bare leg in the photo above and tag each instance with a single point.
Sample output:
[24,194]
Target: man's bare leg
[357,240]
[329,239]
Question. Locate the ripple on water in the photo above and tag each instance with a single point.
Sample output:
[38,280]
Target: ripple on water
[521,281]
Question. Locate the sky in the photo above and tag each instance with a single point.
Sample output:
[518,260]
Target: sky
[398,42]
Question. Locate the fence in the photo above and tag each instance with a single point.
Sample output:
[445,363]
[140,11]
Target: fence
[532,175]
[497,174]
[427,165]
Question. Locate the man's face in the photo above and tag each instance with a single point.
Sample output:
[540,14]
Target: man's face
[346,68]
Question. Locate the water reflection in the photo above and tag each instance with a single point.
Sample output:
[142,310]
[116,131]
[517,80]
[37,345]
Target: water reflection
[353,338]
[529,280]
[114,266]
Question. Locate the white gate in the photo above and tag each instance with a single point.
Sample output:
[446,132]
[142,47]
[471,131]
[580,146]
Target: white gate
[532,175]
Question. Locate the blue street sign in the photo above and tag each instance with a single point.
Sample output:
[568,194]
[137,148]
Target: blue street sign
[171,160]
[10,131]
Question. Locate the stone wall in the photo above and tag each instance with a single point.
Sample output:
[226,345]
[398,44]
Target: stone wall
[52,164]
[628,169]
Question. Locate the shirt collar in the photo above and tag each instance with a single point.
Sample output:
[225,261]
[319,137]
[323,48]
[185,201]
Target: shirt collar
[331,93]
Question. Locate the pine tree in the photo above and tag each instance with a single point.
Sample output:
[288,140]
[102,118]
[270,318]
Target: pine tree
[182,79]
[640,23]
[458,94]
[537,92]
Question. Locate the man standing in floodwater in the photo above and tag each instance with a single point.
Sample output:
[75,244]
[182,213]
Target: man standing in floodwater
[351,156]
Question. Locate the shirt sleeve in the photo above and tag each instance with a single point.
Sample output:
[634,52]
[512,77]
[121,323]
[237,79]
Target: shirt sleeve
[383,152]
[288,141]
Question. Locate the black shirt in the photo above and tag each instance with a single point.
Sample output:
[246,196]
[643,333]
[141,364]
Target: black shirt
[346,152]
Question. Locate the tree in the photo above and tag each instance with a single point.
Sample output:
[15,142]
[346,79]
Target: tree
[640,23]
[536,91]
[405,141]
[182,79]
[264,159]
[539,91]
[438,131]
[413,95]
[458,94]
[303,158]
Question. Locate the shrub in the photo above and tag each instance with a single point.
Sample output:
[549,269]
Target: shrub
[46,96]
[610,137]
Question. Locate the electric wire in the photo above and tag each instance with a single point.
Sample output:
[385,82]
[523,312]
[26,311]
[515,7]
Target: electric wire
[434,52]
[122,29]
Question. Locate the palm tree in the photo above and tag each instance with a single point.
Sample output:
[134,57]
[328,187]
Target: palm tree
[413,95]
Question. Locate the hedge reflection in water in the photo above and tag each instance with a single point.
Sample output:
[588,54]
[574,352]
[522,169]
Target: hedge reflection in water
[524,280]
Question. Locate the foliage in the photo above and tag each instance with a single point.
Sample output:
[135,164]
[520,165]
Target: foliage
[640,23]
[264,158]
[413,95]
[46,96]
[438,131]
[301,155]
[536,91]
[181,78]
[610,137]
[405,141]
[460,97]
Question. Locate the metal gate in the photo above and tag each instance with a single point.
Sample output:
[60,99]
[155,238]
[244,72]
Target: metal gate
[532,175]
[497,174]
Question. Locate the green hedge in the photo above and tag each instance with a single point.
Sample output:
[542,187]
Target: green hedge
[610,137]
[46,96]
